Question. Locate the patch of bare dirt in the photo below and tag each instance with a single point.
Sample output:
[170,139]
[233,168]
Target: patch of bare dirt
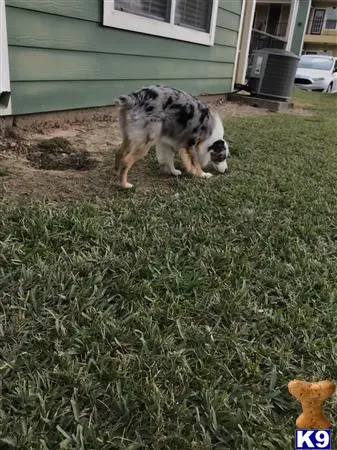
[76,161]
[302,110]
[81,165]
[233,109]
[57,153]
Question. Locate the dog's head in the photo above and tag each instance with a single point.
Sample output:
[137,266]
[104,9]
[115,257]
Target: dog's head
[218,151]
[214,150]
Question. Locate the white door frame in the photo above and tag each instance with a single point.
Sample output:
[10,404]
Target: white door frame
[246,33]
[238,42]
[292,23]
[244,41]
[306,25]
[5,110]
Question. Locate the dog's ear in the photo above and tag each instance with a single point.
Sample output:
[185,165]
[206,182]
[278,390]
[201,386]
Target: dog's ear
[217,146]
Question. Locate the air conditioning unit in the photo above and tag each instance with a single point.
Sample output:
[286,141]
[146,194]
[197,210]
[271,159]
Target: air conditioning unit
[271,73]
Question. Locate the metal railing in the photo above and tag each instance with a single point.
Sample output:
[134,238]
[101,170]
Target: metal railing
[316,27]
[271,28]
[260,40]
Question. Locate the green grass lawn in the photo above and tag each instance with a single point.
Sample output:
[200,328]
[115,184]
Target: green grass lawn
[174,319]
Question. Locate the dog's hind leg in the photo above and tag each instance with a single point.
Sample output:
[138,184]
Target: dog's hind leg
[124,148]
[128,161]
[120,153]
[165,158]
[191,163]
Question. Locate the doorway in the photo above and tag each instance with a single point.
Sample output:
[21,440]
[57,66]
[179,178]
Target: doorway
[317,21]
[274,19]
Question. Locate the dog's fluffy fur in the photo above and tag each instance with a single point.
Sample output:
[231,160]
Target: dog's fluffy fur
[171,120]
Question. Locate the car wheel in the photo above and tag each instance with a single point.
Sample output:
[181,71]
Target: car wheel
[329,88]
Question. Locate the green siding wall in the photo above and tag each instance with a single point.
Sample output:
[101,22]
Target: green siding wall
[302,13]
[61,57]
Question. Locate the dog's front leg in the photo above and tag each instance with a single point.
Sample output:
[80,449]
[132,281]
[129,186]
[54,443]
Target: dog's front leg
[165,158]
[191,163]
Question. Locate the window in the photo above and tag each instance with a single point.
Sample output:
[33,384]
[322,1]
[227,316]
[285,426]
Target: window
[317,63]
[331,19]
[195,15]
[185,20]
[155,9]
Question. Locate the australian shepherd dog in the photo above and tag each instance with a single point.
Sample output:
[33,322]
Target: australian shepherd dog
[172,121]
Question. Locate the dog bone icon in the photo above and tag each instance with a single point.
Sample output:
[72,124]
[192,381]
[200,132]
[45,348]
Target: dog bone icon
[312,396]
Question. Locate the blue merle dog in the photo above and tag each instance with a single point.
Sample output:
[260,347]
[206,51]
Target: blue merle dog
[172,120]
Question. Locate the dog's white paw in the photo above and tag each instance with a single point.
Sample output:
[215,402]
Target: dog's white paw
[222,167]
[169,171]
[127,186]
[206,175]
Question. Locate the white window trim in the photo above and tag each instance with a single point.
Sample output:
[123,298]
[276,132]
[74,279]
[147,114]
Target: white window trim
[126,21]
[4,61]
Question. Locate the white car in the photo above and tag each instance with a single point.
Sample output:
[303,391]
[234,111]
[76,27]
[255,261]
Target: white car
[317,73]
